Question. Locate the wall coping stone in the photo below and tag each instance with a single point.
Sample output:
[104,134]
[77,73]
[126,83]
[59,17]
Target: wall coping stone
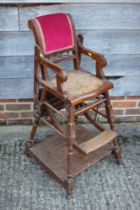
[65,1]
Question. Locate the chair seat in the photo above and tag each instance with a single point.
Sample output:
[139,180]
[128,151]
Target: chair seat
[80,82]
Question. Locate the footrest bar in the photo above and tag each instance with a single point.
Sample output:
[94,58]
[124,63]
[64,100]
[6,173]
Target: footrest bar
[97,142]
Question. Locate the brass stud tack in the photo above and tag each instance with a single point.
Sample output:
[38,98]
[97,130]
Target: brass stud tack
[41,55]
[89,54]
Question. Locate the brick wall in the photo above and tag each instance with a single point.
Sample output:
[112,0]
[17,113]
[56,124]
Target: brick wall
[126,109]
[16,111]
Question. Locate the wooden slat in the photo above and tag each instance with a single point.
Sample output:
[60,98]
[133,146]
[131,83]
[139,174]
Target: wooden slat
[113,41]
[88,107]
[121,47]
[104,41]
[123,65]
[118,65]
[126,86]
[67,1]
[9,19]
[23,88]
[53,128]
[97,142]
[16,88]
[16,67]
[16,43]
[55,110]
[96,16]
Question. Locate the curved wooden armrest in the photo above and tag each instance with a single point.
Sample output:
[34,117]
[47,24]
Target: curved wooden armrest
[61,75]
[94,55]
[56,68]
[101,62]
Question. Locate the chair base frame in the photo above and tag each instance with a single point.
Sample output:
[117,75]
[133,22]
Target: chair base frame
[52,154]
[59,155]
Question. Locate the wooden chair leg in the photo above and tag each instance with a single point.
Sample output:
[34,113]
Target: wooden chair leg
[117,151]
[70,139]
[110,116]
[37,115]
[33,132]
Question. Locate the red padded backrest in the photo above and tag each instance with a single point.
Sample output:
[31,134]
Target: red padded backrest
[56,32]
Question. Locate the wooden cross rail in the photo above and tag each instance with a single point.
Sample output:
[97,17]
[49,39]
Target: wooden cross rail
[91,106]
[52,127]
[66,58]
[54,109]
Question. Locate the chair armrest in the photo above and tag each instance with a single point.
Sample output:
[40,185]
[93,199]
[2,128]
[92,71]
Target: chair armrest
[56,68]
[101,62]
[94,55]
[61,75]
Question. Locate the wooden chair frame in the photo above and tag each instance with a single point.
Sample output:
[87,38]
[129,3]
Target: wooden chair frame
[52,100]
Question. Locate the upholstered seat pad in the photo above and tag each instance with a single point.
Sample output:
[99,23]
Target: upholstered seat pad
[79,82]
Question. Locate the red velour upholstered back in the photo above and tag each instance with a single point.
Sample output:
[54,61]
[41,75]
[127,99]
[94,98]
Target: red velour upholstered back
[56,32]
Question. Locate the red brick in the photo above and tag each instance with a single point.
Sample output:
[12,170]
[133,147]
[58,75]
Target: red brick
[102,106]
[118,111]
[26,114]
[132,112]
[7,115]
[3,122]
[1,107]
[17,107]
[20,122]
[115,111]
[124,104]
[127,119]
[117,97]
[8,100]
[133,97]
[26,100]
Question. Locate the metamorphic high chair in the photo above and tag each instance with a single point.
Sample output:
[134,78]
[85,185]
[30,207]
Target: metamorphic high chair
[66,95]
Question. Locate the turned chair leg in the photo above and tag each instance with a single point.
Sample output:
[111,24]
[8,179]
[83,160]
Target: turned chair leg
[110,116]
[37,115]
[117,151]
[33,131]
[70,139]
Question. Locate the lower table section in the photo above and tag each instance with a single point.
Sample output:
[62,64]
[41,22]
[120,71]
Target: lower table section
[52,154]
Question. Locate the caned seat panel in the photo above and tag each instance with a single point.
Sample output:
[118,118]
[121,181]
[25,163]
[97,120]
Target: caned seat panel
[80,82]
